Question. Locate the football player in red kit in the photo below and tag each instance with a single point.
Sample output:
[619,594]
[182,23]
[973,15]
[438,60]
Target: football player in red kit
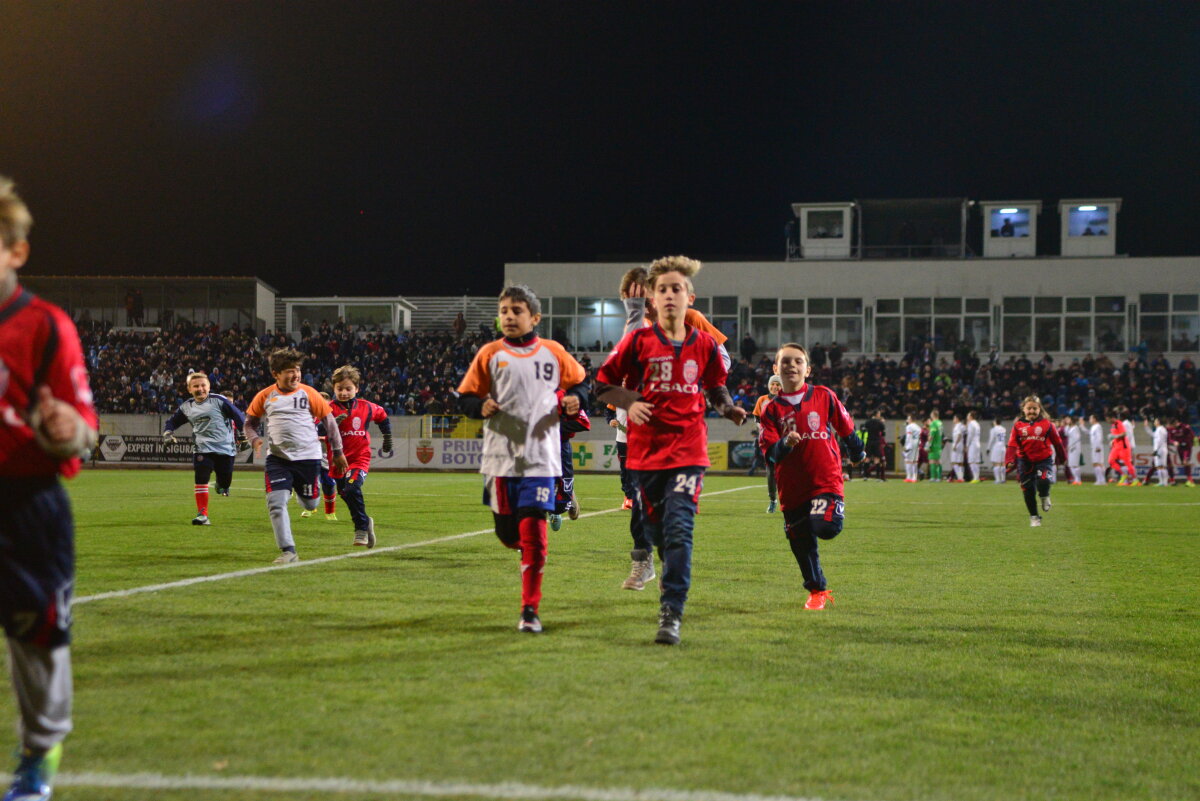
[1034,447]
[354,416]
[661,374]
[800,431]
[46,422]
[1180,438]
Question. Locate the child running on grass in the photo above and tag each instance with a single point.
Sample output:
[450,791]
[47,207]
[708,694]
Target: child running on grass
[801,427]
[661,375]
[520,384]
[1034,447]
[354,417]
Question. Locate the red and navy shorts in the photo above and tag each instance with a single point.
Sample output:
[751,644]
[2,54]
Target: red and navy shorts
[506,494]
[37,561]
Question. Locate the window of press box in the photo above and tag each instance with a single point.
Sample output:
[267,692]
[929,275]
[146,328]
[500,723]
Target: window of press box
[917,306]
[978,305]
[947,305]
[887,334]
[1079,304]
[849,305]
[725,304]
[1017,306]
[764,305]
[825,225]
[1087,221]
[792,306]
[704,306]
[1154,331]
[1047,305]
[887,306]
[1010,222]
[1185,332]
[1078,332]
[1154,304]
[1187,303]
[820,305]
[1107,304]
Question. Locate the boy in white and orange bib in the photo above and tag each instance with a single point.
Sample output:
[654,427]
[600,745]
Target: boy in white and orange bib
[291,410]
[520,384]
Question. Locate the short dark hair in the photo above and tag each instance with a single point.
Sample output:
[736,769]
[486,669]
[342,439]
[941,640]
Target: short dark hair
[522,294]
[285,358]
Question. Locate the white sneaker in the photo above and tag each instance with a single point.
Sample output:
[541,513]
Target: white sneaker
[1046,504]
[370,532]
[306,513]
[360,539]
[641,571]
[1035,521]
[286,558]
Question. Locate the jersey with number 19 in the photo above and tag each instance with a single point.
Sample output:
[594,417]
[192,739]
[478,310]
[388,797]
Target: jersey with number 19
[526,382]
[290,418]
[672,376]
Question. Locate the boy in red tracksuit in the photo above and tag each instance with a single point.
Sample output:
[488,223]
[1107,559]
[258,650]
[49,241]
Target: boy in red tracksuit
[1034,447]
[354,416]
[800,431]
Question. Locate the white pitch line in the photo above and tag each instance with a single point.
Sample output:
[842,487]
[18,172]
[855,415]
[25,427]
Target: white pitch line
[323,560]
[506,790]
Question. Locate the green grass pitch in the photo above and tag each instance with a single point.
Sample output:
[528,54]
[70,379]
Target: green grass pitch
[968,656]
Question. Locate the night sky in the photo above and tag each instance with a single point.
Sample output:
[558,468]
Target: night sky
[414,148]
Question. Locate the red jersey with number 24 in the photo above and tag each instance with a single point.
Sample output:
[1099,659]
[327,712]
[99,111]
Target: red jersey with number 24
[672,376]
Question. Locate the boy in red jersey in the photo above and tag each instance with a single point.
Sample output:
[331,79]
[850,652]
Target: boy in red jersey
[520,385]
[657,374]
[801,427]
[1034,447]
[46,422]
[354,415]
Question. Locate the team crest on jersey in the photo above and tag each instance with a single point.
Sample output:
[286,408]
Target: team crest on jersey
[690,371]
[1037,429]
[424,451]
[355,423]
[814,420]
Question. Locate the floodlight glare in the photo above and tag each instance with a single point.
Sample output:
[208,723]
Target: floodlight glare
[1086,208]
[1009,211]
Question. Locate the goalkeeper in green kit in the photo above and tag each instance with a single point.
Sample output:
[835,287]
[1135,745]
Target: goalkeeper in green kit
[935,446]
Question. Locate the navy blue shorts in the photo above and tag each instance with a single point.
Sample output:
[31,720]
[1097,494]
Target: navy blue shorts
[505,494]
[300,475]
[1030,472]
[822,516]
[37,561]
[205,464]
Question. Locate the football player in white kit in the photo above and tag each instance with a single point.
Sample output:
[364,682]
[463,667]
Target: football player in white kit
[912,446]
[974,451]
[997,442]
[1073,439]
[1158,436]
[958,445]
[1096,435]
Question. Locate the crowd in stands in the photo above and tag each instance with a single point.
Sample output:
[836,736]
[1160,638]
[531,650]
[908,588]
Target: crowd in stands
[993,386]
[416,373]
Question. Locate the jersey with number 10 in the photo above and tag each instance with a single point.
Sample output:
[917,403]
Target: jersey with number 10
[290,419]
[672,376]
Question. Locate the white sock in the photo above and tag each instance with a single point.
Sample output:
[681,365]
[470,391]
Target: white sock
[1099,471]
